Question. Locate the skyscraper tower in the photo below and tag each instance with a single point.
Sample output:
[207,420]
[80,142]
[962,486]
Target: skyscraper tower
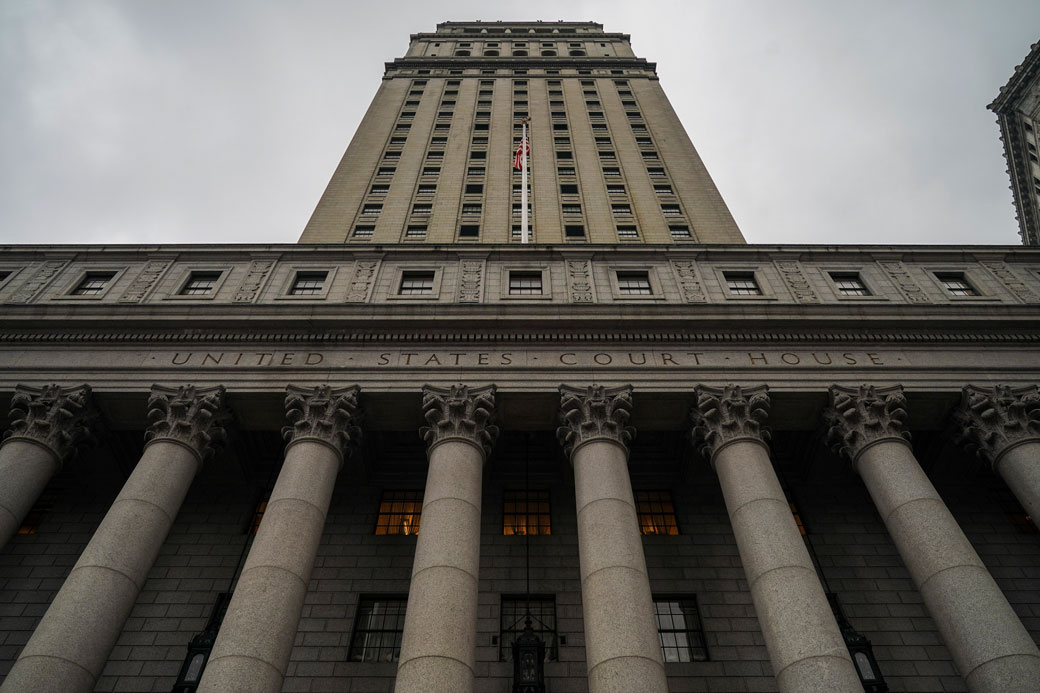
[432,159]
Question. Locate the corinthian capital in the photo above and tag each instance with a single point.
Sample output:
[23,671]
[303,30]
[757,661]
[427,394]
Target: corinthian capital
[459,411]
[193,417]
[727,414]
[864,415]
[594,412]
[330,415]
[993,419]
[56,417]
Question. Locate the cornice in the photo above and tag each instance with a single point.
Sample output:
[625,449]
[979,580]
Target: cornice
[1025,72]
[559,61]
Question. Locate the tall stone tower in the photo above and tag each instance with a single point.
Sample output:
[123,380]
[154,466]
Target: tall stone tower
[1018,112]
[432,159]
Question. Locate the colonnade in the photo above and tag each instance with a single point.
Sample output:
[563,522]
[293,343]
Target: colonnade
[990,646]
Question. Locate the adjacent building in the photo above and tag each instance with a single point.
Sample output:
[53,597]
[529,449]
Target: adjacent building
[376,459]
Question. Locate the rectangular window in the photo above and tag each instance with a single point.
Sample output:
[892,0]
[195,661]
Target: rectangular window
[426,190]
[469,231]
[308,283]
[611,173]
[416,283]
[615,190]
[627,232]
[200,283]
[671,210]
[399,512]
[526,512]
[422,210]
[364,231]
[392,156]
[679,628]
[572,209]
[475,171]
[525,284]
[383,172]
[477,155]
[480,141]
[474,188]
[372,209]
[742,283]
[849,284]
[398,140]
[574,231]
[415,232]
[431,172]
[435,156]
[656,512]
[565,155]
[621,210]
[568,189]
[956,284]
[470,209]
[565,171]
[93,283]
[634,283]
[378,629]
[663,189]
[679,231]
[514,617]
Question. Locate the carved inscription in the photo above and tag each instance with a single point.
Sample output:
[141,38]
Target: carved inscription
[471,274]
[904,282]
[37,281]
[361,282]
[797,282]
[689,282]
[253,281]
[579,279]
[1011,281]
[144,281]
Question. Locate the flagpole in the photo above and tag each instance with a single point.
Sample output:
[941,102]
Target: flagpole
[524,233]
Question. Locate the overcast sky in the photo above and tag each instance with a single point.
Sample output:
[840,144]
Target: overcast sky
[221,121]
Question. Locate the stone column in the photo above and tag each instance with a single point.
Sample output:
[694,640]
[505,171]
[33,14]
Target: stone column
[438,650]
[256,637]
[622,646]
[1003,424]
[47,424]
[989,644]
[71,644]
[804,642]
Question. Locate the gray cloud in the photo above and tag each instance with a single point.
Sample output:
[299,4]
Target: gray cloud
[821,122]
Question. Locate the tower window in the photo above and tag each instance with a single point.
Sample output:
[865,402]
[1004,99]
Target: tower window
[679,628]
[611,172]
[474,188]
[416,284]
[620,210]
[200,283]
[572,209]
[372,209]
[378,629]
[574,231]
[615,190]
[93,283]
[742,283]
[627,232]
[308,283]
[956,284]
[380,189]
[663,189]
[364,231]
[568,189]
[414,232]
[634,283]
[543,623]
[671,210]
[655,511]
[431,172]
[679,231]
[526,512]
[526,284]
[421,210]
[469,231]
[849,284]
[471,209]
[426,190]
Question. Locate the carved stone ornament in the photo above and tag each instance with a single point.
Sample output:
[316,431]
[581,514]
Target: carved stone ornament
[459,411]
[322,412]
[860,416]
[992,419]
[60,418]
[723,415]
[594,412]
[192,416]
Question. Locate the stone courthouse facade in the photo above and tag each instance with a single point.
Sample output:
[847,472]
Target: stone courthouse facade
[358,463]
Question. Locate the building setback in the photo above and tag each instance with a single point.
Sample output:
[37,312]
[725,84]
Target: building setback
[363,462]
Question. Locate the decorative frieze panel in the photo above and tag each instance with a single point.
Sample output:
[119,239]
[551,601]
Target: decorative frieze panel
[796,281]
[471,281]
[362,280]
[144,281]
[900,276]
[253,282]
[689,281]
[579,281]
[39,279]
[1011,282]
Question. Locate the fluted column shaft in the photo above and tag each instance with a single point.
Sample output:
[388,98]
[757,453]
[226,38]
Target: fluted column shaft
[70,646]
[805,646]
[990,646]
[622,646]
[256,637]
[46,426]
[438,649]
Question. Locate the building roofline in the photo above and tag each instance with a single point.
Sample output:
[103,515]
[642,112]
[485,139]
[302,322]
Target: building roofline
[1024,73]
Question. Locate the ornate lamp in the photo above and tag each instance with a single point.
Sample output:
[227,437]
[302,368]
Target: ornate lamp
[528,661]
[861,650]
[200,648]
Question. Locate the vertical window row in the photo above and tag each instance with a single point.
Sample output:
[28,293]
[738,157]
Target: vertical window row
[471,209]
[521,109]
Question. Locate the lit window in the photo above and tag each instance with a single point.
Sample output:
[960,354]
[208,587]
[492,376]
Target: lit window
[308,283]
[35,516]
[416,283]
[742,283]
[849,284]
[526,512]
[526,284]
[679,628]
[378,629]
[200,283]
[956,284]
[258,513]
[656,512]
[514,616]
[399,512]
[93,283]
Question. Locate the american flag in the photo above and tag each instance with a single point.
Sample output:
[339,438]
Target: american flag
[524,148]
